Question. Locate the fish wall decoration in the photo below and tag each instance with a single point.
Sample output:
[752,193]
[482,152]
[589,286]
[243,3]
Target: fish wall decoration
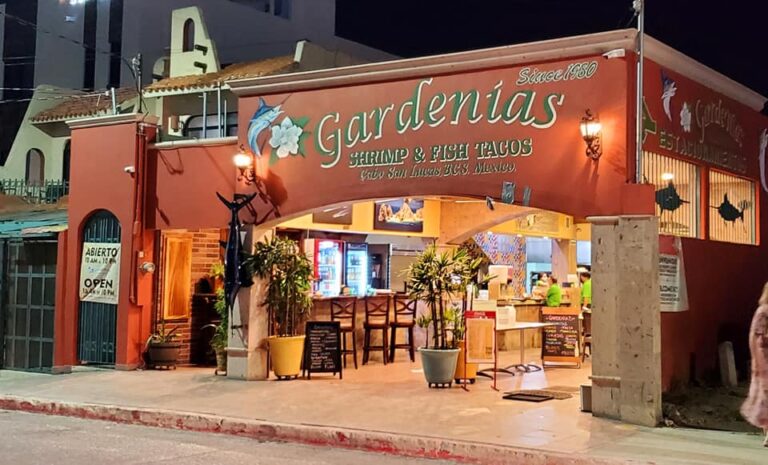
[669,199]
[235,274]
[263,118]
[728,211]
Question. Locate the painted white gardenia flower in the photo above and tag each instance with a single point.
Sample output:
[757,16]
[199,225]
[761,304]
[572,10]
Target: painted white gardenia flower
[685,117]
[285,138]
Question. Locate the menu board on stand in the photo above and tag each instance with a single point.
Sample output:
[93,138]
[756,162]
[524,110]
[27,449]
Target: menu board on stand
[322,348]
[562,341]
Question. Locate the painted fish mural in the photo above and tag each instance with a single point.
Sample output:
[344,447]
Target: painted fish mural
[729,212]
[669,89]
[235,275]
[263,118]
[761,159]
[668,198]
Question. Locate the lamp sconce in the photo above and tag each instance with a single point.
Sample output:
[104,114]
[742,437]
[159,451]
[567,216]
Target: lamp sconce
[147,267]
[245,164]
[591,131]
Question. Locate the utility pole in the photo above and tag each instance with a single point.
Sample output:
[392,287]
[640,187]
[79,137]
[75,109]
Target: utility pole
[639,7]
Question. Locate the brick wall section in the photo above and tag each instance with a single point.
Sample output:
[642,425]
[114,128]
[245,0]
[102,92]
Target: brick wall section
[206,251]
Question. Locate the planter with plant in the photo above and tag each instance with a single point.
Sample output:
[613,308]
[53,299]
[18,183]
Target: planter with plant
[288,274]
[219,339]
[436,278]
[162,350]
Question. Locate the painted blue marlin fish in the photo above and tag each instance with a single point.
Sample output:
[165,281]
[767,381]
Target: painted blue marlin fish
[263,118]
[235,274]
[669,89]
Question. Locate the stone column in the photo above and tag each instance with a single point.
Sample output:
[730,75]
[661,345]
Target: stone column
[248,326]
[626,322]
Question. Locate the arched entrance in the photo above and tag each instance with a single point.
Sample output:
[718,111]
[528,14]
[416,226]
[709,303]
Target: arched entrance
[98,321]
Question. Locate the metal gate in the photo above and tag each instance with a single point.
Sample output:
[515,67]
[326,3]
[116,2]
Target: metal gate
[28,304]
[98,322]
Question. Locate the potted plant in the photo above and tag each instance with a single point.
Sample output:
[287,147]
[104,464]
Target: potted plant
[464,371]
[435,278]
[288,274]
[220,339]
[162,349]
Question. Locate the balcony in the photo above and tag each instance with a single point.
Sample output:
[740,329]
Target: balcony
[37,193]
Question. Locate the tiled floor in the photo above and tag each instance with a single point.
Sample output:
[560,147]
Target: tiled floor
[395,398]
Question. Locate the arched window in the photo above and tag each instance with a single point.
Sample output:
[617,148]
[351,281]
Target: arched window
[189,36]
[35,168]
[65,161]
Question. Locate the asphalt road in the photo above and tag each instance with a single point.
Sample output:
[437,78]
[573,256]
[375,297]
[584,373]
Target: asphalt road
[28,439]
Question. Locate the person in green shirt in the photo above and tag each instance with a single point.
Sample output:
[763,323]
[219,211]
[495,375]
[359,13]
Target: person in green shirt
[554,293]
[586,289]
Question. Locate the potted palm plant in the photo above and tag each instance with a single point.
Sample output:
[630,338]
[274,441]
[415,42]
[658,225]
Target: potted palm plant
[288,274]
[220,339]
[435,278]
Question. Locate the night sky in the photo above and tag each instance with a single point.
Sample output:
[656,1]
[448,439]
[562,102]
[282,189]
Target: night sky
[729,36]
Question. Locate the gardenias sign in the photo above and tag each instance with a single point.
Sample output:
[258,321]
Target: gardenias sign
[524,107]
[527,97]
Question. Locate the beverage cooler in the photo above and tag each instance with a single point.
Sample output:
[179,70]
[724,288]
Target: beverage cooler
[357,268]
[327,260]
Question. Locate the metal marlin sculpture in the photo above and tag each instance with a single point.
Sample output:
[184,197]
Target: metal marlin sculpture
[235,274]
[729,212]
[668,198]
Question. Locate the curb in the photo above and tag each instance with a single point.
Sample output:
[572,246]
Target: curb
[371,441]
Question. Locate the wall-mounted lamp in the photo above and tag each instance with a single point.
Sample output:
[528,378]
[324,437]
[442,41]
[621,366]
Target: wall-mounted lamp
[147,267]
[244,162]
[591,130]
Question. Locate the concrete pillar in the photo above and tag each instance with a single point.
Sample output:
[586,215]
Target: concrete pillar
[626,322]
[248,326]
[563,258]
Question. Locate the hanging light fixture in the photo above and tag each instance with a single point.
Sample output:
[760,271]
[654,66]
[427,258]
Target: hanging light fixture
[591,131]
[244,163]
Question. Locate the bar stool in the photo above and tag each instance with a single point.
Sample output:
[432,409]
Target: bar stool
[343,310]
[376,318]
[405,318]
[586,331]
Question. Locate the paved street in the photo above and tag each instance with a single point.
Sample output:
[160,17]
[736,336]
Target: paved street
[30,439]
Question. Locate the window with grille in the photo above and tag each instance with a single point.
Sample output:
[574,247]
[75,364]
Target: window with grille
[732,212]
[677,193]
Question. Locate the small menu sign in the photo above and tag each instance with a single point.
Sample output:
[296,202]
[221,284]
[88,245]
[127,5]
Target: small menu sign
[322,348]
[561,341]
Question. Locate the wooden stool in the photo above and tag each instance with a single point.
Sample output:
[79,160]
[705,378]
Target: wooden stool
[586,331]
[343,310]
[376,318]
[405,317]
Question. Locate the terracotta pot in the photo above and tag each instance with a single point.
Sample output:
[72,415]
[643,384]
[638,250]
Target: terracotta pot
[221,361]
[471,373]
[163,353]
[285,354]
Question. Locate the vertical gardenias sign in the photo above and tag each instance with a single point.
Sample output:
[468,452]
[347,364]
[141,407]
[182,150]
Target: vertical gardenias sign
[100,273]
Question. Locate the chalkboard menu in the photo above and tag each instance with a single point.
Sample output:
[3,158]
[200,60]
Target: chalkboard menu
[322,348]
[561,341]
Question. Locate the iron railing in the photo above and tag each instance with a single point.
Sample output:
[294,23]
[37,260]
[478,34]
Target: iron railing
[44,192]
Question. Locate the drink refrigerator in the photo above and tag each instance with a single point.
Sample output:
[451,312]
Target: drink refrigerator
[357,268]
[327,260]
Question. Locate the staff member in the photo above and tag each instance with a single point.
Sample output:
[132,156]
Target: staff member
[586,289]
[554,293]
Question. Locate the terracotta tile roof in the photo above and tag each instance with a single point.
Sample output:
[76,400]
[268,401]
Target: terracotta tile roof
[83,105]
[276,65]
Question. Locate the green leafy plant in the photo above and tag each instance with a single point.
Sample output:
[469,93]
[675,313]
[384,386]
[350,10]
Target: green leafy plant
[162,335]
[289,275]
[437,277]
[220,338]
[217,271]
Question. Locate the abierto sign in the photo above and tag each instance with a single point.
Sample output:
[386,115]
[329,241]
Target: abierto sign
[100,273]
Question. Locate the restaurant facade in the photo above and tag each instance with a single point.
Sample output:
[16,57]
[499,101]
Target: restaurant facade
[548,125]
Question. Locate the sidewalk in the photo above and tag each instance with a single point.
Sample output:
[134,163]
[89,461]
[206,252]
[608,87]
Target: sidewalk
[378,408]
